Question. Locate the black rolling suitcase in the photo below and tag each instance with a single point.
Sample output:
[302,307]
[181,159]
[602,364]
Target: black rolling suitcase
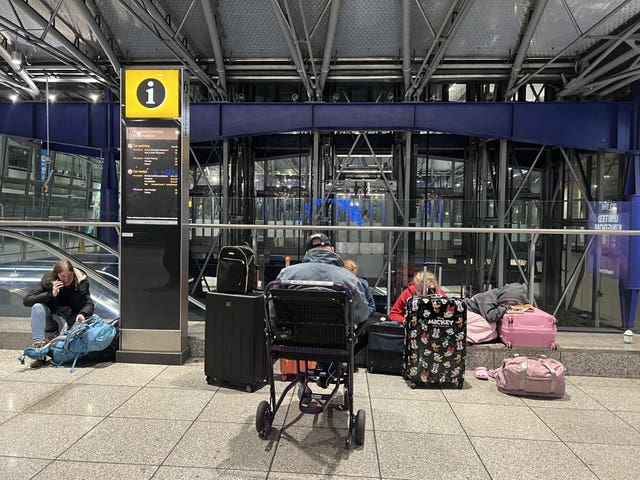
[435,341]
[235,349]
[385,348]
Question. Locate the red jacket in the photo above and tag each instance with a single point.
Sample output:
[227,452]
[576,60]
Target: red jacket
[399,308]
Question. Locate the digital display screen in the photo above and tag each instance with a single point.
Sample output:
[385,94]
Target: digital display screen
[151,175]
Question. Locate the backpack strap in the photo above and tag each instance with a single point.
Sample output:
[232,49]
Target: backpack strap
[73,365]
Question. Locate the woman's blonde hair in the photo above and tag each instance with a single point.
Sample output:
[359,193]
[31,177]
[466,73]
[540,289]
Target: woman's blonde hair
[351,265]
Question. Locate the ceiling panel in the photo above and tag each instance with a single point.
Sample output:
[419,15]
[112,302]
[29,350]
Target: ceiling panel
[194,26]
[490,29]
[369,28]
[316,16]
[249,29]
[421,37]
[134,39]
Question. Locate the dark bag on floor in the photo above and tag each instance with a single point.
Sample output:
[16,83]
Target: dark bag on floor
[236,270]
[385,347]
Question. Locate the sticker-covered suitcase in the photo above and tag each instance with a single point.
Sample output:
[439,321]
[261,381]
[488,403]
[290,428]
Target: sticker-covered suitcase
[435,341]
[535,328]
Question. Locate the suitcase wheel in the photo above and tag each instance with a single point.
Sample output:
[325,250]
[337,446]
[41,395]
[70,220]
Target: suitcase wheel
[283,377]
[211,380]
[509,345]
[248,388]
[554,346]
[413,385]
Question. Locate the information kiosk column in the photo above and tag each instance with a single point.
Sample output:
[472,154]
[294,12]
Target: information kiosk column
[154,218]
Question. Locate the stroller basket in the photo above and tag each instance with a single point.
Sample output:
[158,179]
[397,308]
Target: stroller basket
[318,322]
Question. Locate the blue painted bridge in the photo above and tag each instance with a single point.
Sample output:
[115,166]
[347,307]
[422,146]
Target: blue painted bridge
[592,126]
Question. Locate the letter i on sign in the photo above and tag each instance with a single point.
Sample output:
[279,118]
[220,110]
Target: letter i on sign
[150,100]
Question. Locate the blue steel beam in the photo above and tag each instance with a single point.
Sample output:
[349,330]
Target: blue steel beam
[592,126]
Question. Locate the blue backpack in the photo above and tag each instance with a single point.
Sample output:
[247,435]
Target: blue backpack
[93,335]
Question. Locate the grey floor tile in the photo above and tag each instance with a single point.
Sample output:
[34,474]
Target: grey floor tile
[632,418]
[574,398]
[505,421]
[588,426]
[223,445]
[333,417]
[392,386]
[167,403]
[548,460]
[18,396]
[9,355]
[616,463]
[78,399]
[15,468]
[180,377]
[90,471]
[615,398]
[4,416]
[420,455]
[12,367]
[480,391]
[297,476]
[229,405]
[128,440]
[190,473]
[322,451]
[19,435]
[131,374]
[48,374]
[414,416]
[603,381]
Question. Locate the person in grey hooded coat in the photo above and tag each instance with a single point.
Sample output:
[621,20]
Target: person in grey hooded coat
[492,305]
[321,263]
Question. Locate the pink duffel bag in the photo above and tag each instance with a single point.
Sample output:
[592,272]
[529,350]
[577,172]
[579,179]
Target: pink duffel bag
[530,377]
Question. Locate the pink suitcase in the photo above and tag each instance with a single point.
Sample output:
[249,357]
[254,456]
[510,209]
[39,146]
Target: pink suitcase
[535,328]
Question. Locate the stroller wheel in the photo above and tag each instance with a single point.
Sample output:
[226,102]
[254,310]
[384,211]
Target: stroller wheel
[263,423]
[361,420]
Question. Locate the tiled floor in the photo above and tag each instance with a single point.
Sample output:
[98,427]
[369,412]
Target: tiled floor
[126,421]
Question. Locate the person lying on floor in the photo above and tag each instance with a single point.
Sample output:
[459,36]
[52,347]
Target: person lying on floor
[484,310]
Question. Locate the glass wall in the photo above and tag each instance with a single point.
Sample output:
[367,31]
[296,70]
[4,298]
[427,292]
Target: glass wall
[36,186]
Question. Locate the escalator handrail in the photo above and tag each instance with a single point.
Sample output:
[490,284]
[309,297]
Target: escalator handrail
[73,233]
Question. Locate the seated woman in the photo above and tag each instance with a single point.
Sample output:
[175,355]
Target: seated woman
[484,310]
[61,299]
[415,287]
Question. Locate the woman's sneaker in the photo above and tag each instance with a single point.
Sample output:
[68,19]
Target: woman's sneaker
[38,363]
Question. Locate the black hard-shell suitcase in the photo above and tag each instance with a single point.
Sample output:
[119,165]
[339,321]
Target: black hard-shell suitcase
[385,348]
[237,271]
[435,341]
[235,349]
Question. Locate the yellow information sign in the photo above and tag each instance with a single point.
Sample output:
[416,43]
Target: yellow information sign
[152,93]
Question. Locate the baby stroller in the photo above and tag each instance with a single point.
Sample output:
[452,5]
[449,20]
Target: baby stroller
[308,320]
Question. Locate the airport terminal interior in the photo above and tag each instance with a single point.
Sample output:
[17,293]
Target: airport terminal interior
[488,141]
